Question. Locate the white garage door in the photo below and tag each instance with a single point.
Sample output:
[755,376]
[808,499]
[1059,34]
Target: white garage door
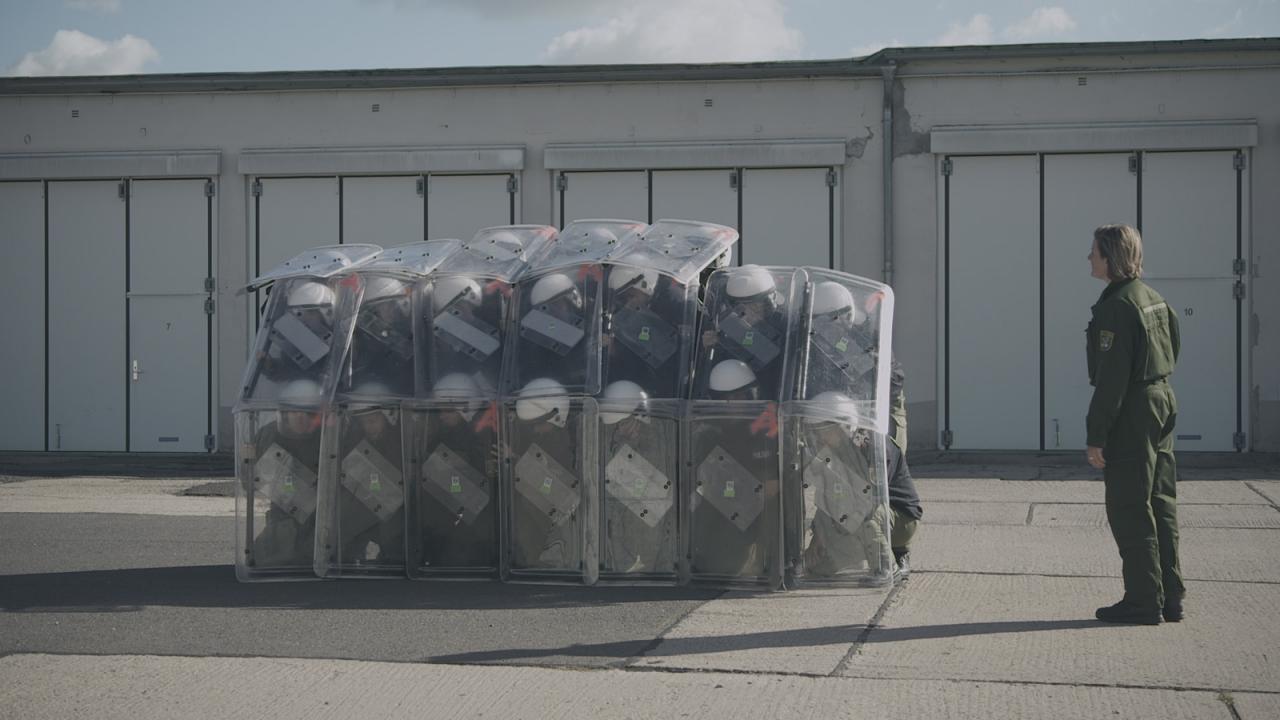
[459,205]
[86,316]
[1081,192]
[169,330]
[705,195]
[621,195]
[22,322]
[1189,226]
[787,217]
[992,303]
[289,216]
[385,211]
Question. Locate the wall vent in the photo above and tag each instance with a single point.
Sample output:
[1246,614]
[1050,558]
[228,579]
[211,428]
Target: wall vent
[1082,81]
[377,107]
[708,102]
[75,113]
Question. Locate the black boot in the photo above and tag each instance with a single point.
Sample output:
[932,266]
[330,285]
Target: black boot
[1173,608]
[1128,613]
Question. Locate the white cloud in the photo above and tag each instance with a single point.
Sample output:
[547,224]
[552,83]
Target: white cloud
[689,31]
[75,53]
[102,6]
[977,31]
[1044,22]
[1228,28]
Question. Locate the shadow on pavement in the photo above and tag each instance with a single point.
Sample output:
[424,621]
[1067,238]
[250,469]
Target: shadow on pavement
[215,586]
[799,637]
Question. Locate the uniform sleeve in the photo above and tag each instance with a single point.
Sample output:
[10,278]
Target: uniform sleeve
[1175,333]
[1114,351]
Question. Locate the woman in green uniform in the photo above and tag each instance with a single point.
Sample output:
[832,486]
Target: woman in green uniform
[1132,347]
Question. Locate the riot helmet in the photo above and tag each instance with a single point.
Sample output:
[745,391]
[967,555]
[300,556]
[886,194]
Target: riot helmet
[299,415]
[555,287]
[732,380]
[834,407]
[752,291]
[633,278]
[451,290]
[833,300]
[620,395]
[309,294]
[543,399]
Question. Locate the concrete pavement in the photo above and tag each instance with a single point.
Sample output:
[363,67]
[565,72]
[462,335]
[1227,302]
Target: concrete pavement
[996,622]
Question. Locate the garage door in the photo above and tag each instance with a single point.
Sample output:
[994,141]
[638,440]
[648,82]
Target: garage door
[22,283]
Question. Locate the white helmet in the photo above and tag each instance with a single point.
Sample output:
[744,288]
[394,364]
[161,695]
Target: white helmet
[834,407]
[381,287]
[830,297]
[543,398]
[749,282]
[310,293]
[450,289]
[550,287]
[619,395]
[300,392]
[456,385]
[496,244]
[587,235]
[628,276]
[730,375]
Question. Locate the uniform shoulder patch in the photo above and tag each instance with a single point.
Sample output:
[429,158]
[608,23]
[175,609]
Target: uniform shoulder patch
[1106,339]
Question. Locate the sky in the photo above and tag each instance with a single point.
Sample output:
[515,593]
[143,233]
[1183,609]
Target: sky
[112,37]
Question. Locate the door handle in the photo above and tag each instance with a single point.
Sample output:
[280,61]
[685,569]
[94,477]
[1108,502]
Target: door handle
[135,371]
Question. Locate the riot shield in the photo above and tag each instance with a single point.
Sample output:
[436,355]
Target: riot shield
[461,313]
[360,522]
[549,491]
[750,316]
[555,330]
[836,503]
[639,466]
[306,326]
[277,467]
[731,485]
[584,242]
[452,451]
[845,343]
[647,330]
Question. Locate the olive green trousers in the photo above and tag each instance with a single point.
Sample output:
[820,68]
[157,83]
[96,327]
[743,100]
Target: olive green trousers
[1142,496]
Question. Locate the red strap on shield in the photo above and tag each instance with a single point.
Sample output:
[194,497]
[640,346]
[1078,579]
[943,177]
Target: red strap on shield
[498,286]
[488,419]
[767,421]
[591,271]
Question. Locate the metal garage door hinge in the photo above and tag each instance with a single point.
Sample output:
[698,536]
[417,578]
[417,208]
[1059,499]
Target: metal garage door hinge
[208,443]
[208,306]
[513,185]
[562,182]
[1133,163]
[831,177]
[257,188]
[735,179]
[421,185]
[1238,162]
[1238,440]
[1239,266]
[947,438]
[122,189]
[946,167]
[209,285]
[208,188]
[1237,291]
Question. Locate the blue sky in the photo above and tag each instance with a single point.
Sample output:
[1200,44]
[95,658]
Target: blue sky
[98,37]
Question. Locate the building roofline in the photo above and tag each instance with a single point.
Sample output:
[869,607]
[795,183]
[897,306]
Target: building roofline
[390,79]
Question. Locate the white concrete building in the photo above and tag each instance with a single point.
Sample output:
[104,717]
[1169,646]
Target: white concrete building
[135,208]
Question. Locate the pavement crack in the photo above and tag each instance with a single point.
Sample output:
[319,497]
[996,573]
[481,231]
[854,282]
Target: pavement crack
[656,641]
[872,624]
[1263,495]
[1225,698]
[1031,512]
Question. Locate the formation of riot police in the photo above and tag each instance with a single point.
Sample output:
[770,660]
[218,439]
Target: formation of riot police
[607,403]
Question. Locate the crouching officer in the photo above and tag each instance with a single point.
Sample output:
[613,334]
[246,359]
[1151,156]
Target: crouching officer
[1133,343]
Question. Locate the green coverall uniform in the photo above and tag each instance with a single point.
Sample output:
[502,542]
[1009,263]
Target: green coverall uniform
[1133,343]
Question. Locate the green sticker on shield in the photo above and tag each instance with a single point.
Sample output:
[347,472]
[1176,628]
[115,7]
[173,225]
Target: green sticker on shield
[728,489]
[546,487]
[455,484]
[375,482]
[748,339]
[843,344]
[644,334]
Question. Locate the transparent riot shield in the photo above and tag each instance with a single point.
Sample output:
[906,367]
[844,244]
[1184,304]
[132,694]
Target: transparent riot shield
[452,456]
[555,330]
[584,242]
[639,467]
[549,490]
[360,525]
[461,313]
[836,502]
[277,467]
[750,316]
[731,485]
[846,343]
[305,328]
